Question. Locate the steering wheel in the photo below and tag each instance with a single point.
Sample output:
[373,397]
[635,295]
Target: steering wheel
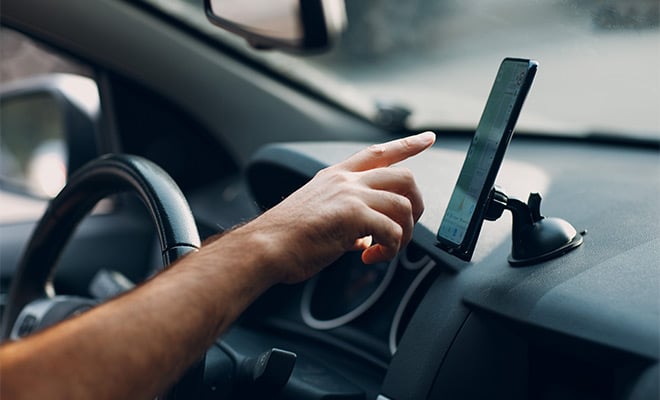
[32,303]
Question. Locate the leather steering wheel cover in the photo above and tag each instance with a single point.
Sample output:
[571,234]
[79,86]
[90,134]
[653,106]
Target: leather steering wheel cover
[105,176]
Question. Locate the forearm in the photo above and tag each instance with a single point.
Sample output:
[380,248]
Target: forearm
[134,346]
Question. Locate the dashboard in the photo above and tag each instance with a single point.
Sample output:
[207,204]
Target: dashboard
[428,325]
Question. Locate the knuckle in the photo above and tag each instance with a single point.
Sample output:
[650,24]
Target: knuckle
[407,144]
[398,232]
[341,176]
[403,176]
[376,150]
[353,207]
[395,235]
[407,175]
[324,172]
[334,176]
[342,179]
[403,204]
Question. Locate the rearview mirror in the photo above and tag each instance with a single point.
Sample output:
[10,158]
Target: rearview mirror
[290,25]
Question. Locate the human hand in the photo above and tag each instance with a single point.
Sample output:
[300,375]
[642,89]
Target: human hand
[362,203]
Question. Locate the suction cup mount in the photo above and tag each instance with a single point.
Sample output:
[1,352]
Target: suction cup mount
[535,238]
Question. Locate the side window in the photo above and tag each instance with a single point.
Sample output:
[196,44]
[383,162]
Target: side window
[42,96]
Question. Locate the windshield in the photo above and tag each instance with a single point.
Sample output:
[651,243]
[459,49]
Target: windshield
[436,59]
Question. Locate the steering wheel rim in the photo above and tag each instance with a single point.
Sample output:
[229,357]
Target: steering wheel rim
[102,177]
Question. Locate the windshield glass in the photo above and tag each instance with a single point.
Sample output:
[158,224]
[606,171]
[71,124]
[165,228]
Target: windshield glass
[599,61]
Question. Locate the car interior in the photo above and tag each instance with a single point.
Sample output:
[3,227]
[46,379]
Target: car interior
[239,118]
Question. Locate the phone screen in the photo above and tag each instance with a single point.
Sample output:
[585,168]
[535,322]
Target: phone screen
[463,218]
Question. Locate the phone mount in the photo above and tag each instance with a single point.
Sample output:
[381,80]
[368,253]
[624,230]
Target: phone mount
[535,238]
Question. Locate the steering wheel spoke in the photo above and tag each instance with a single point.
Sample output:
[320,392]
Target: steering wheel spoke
[44,312]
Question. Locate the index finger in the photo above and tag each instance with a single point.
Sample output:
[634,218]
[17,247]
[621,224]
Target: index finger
[386,154]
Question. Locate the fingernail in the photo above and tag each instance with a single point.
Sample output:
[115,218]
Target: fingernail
[426,137]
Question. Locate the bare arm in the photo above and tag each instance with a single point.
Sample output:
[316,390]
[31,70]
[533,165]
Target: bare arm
[137,345]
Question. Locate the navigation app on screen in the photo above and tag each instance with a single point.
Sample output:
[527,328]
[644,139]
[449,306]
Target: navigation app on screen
[482,152]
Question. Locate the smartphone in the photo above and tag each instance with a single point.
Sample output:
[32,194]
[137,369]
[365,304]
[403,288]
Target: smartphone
[461,224]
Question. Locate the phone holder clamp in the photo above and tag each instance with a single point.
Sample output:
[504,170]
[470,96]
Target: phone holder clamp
[535,238]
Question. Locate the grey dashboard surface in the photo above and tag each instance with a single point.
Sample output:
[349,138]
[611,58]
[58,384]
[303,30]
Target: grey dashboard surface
[606,292]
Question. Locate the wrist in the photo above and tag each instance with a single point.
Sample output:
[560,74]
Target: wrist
[258,251]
